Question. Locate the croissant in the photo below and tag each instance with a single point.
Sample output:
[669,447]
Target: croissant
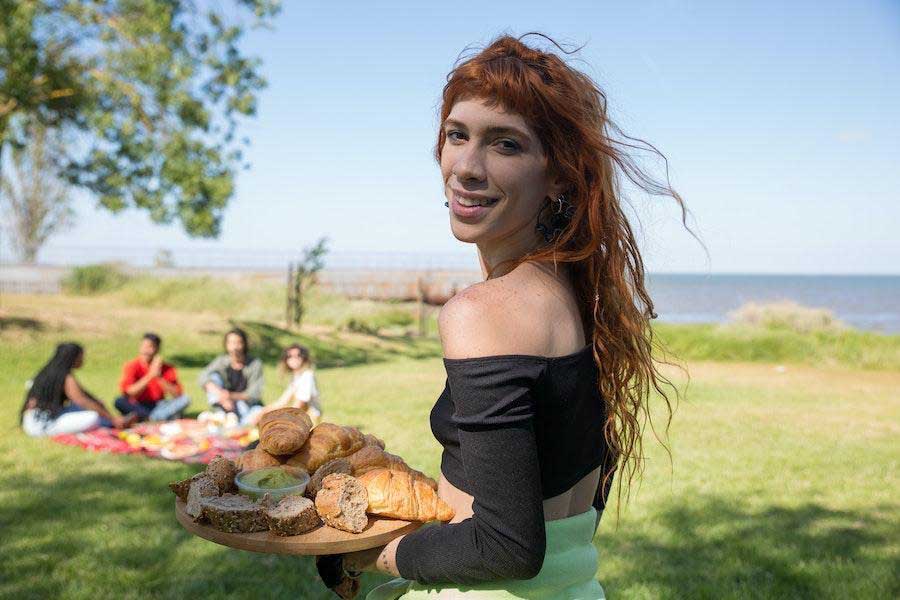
[400,495]
[373,457]
[284,431]
[326,442]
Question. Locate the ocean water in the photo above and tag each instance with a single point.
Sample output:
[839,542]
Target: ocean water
[870,302]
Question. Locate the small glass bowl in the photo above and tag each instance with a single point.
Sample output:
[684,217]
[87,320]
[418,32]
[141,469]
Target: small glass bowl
[275,493]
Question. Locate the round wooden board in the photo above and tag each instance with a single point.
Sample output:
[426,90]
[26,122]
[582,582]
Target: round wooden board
[319,541]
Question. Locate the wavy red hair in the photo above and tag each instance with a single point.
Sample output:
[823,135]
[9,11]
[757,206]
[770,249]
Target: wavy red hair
[568,112]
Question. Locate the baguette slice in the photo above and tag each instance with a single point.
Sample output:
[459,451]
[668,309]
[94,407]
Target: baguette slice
[234,514]
[342,503]
[401,495]
[293,515]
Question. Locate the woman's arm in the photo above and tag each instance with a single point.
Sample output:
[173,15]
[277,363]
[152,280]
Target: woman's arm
[80,397]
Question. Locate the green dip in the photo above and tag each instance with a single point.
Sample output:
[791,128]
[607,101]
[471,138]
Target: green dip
[270,478]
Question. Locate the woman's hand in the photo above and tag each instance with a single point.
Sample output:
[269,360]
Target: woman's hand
[336,577]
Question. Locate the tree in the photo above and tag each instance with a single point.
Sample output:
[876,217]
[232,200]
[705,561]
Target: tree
[35,203]
[152,88]
[301,277]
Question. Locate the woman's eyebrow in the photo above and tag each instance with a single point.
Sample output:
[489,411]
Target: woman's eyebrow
[493,130]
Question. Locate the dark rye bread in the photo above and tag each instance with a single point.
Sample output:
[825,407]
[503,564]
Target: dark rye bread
[222,472]
[233,513]
[293,515]
[202,487]
[342,503]
[338,465]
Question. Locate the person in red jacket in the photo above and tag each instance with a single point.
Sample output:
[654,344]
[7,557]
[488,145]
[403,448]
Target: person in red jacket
[150,386]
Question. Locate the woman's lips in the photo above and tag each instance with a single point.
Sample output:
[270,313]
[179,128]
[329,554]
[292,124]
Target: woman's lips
[468,213]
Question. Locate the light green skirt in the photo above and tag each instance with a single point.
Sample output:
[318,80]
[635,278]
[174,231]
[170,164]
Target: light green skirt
[570,564]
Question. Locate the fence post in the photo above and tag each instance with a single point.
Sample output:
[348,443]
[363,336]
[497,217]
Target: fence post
[289,300]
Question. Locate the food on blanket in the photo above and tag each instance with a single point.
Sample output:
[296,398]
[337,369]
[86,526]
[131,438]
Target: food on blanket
[371,440]
[293,515]
[234,514]
[284,431]
[338,465]
[327,441]
[373,457]
[222,472]
[257,459]
[401,495]
[203,487]
[342,503]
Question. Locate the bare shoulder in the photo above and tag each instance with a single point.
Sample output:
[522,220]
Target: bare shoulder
[513,314]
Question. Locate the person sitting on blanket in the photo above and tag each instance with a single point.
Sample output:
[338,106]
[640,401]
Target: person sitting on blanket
[147,381]
[55,402]
[234,381]
[302,391]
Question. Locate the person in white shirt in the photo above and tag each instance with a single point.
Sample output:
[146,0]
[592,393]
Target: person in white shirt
[302,391]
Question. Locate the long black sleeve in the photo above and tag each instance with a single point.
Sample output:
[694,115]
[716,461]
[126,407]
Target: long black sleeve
[494,410]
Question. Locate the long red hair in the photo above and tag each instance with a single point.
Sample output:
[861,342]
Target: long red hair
[568,112]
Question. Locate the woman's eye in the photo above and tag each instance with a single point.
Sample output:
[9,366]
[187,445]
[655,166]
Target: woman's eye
[508,146]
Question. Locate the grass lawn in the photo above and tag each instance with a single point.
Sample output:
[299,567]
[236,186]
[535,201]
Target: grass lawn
[783,481]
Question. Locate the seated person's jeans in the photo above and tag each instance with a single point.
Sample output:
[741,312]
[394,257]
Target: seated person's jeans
[71,419]
[158,411]
[244,409]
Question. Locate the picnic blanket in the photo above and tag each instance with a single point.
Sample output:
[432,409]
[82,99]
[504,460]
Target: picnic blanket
[184,440]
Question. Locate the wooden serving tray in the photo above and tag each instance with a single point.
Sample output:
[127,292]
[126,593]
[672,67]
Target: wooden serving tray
[321,540]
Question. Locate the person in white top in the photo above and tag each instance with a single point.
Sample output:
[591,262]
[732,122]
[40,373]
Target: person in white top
[302,391]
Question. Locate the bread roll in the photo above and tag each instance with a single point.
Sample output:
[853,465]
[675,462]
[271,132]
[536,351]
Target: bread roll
[401,495]
[342,503]
[327,441]
[283,432]
[257,459]
[371,440]
[222,472]
[338,465]
[373,457]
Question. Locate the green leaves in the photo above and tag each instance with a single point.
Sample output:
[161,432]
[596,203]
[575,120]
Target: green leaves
[153,89]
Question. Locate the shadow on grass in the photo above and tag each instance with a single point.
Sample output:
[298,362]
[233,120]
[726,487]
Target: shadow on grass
[267,341]
[716,549]
[21,323]
[114,534]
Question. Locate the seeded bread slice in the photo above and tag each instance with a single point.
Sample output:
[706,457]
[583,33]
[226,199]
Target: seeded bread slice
[181,488]
[293,515]
[342,503]
[233,513]
[202,487]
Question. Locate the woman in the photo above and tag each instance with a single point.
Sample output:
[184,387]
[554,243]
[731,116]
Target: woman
[548,359]
[234,381]
[302,392]
[56,403]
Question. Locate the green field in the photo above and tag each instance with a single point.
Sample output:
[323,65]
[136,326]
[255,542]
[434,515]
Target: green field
[782,483]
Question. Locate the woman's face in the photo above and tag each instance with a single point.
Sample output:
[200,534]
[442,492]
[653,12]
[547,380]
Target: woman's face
[79,361]
[294,361]
[495,174]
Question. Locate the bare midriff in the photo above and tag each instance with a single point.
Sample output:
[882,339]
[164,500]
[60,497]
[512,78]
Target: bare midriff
[574,501]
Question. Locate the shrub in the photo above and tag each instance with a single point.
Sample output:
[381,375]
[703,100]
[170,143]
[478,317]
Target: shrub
[94,279]
[374,323]
[786,315]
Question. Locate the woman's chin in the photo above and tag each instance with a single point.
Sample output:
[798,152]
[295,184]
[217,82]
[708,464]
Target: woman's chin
[466,233]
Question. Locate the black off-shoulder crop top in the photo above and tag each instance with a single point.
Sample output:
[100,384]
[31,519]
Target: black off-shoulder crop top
[516,430]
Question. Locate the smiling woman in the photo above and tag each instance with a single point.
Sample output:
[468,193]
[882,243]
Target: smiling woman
[549,360]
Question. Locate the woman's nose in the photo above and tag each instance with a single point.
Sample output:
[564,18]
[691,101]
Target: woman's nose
[469,165]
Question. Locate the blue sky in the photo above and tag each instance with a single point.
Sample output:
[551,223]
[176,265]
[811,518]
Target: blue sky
[780,120]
